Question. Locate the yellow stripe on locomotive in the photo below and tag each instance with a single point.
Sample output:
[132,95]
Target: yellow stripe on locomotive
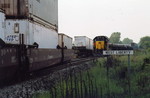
[100,44]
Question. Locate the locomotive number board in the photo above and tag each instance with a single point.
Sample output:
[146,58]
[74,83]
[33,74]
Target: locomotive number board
[118,52]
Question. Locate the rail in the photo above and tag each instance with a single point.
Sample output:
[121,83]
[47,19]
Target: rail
[49,70]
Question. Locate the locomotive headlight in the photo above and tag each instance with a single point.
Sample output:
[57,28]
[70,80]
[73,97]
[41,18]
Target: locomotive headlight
[16,27]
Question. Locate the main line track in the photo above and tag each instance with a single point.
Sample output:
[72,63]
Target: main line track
[48,70]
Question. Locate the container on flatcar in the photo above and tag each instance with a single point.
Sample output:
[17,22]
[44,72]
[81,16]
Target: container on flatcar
[33,33]
[38,24]
[28,24]
[83,46]
[35,10]
[64,41]
[91,44]
[83,42]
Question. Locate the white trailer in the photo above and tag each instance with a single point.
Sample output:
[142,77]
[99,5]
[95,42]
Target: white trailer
[83,41]
[91,44]
[64,41]
[33,33]
[37,20]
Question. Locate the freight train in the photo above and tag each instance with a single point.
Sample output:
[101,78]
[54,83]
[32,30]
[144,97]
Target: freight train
[85,47]
[29,38]
[101,43]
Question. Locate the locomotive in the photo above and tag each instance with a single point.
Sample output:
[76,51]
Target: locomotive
[101,43]
[85,47]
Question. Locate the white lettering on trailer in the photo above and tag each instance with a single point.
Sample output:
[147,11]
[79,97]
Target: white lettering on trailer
[12,38]
[118,52]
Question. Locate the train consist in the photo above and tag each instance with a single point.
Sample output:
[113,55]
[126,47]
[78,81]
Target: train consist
[102,43]
[29,38]
[85,47]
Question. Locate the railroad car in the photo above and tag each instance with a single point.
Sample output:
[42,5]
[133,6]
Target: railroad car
[83,46]
[65,44]
[119,46]
[29,37]
[134,46]
[102,43]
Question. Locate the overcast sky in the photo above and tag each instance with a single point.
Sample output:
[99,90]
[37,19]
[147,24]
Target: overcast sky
[103,17]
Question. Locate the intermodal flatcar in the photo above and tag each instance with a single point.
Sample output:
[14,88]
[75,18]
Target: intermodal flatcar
[83,46]
[29,37]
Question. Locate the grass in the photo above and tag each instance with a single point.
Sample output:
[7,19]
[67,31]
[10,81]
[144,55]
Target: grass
[108,79]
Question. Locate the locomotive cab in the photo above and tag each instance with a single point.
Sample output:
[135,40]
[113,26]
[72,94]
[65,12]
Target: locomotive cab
[100,44]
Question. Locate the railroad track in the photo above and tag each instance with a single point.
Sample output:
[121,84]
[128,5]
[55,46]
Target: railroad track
[43,82]
[49,70]
[58,67]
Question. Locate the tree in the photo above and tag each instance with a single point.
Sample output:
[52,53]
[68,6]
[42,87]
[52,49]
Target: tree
[115,37]
[127,41]
[145,42]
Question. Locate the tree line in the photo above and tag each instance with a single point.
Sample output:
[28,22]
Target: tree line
[144,41]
